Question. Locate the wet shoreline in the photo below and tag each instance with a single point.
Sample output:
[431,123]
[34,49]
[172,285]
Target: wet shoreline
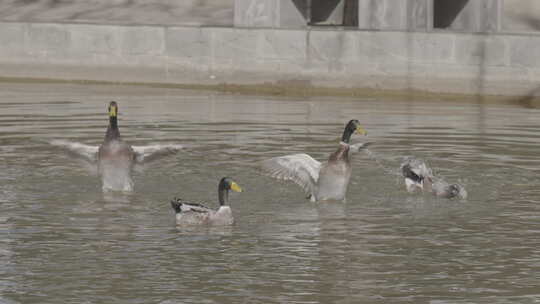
[285,89]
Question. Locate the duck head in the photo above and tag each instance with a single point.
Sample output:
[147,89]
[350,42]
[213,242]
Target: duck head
[224,186]
[112,131]
[456,190]
[113,112]
[353,126]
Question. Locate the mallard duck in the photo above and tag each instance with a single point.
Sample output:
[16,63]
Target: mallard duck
[416,174]
[115,157]
[198,214]
[320,181]
[419,177]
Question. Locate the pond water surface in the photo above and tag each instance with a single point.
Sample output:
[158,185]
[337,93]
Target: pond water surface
[62,240]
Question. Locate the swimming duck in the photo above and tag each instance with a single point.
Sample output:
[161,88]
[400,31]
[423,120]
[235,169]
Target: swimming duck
[197,214]
[115,157]
[419,177]
[320,181]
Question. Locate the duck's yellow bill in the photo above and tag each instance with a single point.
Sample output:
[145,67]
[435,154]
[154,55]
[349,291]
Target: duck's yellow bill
[361,130]
[113,111]
[235,187]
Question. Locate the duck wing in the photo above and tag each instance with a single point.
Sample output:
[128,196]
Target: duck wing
[85,151]
[415,169]
[153,152]
[181,206]
[194,207]
[300,168]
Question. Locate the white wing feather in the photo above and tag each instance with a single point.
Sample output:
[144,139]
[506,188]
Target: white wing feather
[86,151]
[300,168]
[143,153]
[153,152]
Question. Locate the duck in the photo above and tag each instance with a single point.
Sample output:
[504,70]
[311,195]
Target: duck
[419,177]
[197,214]
[416,174]
[320,181]
[115,157]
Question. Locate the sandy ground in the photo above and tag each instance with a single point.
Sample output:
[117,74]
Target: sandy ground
[519,15]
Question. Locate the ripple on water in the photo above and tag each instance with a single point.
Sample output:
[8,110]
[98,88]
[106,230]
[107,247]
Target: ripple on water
[62,239]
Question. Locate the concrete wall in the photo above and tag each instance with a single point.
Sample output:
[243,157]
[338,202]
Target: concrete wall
[518,15]
[269,13]
[468,15]
[148,12]
[437,62]
[521,15]
[409,15]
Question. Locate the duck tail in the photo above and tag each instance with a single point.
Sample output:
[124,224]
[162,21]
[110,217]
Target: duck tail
[176,204]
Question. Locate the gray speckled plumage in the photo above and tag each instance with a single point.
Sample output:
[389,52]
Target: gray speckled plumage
[115,157]
[334,175]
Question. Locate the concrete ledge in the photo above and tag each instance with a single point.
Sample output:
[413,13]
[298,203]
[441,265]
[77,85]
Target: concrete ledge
[433,62]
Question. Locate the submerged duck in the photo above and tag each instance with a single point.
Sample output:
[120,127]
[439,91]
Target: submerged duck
[115,157]
[197,214]
[320,181]
[419,177]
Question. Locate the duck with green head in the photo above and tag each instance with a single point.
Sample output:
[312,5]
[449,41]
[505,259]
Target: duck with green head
[197,214]
[320,181]
[115,157]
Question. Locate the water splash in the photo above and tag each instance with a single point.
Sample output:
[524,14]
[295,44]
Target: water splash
[379,162]
[425,180]
[115,176]
[419,177]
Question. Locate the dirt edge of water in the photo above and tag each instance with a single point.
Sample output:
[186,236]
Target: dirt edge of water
[303,90]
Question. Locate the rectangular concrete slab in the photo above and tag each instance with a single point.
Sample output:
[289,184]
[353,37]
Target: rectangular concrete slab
[269,14]
[440,61]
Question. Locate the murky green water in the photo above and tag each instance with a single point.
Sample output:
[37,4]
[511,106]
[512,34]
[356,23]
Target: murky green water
[63,241]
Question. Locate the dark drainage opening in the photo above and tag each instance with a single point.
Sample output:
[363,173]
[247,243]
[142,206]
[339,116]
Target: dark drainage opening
[445,12]
[329,12]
